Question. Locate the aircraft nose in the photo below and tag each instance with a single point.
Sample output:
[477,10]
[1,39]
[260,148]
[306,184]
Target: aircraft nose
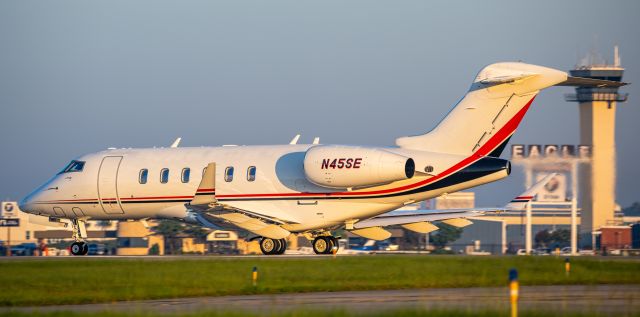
[25,204]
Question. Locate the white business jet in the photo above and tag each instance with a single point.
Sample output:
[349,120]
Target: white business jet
[310,189]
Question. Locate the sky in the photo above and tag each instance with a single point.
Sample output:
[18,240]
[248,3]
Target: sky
[81,76]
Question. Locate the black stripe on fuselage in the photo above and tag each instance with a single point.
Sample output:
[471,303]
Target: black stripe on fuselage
[480,168]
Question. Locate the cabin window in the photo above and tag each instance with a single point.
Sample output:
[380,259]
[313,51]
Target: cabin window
[164,175]
[74,166]
[186,172]
[228,174]
[142,177]
[251,173]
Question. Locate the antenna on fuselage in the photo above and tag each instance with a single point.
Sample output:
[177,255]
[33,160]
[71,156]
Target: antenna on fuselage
[176,142]
[316,140]
[295,139]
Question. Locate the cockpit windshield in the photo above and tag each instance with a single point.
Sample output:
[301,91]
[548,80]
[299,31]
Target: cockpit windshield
[74,166]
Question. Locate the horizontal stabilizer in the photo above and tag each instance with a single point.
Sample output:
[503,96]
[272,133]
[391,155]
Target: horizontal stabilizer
[590,82]
[497,80]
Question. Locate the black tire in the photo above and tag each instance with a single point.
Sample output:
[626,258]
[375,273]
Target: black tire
[322,245]
[85,248]
[283,246]
[278,246]
[335,243]
[269,246]
[77,248]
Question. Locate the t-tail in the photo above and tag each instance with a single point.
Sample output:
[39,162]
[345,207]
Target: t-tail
[488,115]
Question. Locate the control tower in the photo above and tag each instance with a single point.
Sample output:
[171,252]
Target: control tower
[597,129]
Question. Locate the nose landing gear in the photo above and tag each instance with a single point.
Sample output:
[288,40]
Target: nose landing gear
[79,234]
[79,248]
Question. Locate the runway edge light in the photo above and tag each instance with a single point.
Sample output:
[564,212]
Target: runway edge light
[513,291]
[254,276]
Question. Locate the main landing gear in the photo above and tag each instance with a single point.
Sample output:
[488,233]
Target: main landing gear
[321,245]
[325,244]
[79,234]
[270,246]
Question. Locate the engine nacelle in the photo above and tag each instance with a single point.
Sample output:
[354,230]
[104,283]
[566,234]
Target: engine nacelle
[351,166]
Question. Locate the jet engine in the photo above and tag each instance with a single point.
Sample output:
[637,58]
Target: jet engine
[355,167]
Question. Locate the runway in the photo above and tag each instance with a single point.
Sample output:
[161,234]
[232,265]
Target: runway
[622,299]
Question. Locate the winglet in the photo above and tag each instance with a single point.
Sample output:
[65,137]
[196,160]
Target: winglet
[176,143]
[295,139]
[523,199]
[206,192]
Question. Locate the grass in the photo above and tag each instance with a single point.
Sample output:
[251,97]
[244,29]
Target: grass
[336,313]
[94,280]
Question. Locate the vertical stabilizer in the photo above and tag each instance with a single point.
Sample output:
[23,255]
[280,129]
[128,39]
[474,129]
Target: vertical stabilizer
[489,113]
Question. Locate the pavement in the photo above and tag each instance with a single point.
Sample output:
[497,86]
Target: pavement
[606,299]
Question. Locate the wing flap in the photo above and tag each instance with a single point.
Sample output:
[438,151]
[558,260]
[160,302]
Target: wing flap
[391,218]
[458,222]
[420,227]
[254,225]
[373,233]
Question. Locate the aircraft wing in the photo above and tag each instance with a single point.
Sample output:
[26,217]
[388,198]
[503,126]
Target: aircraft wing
[421,220]
[406,217]
[207,212]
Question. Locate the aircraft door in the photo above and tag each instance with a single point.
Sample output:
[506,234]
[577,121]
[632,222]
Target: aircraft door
[107,185]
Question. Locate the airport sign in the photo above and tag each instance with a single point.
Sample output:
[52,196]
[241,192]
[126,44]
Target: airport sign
[555,190]
[535,151]
[9,209]
[9,222]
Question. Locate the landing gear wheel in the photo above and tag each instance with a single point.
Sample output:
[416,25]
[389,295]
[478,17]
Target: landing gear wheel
[269,246]
[79,248]
[283,246]
[336,244]
[322,245]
